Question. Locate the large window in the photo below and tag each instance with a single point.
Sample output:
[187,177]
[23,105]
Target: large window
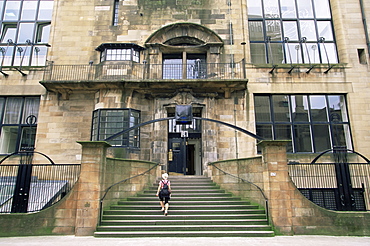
[314,123]
[107,122]
[291,31]
[195,66]
[18,123]
[25,29]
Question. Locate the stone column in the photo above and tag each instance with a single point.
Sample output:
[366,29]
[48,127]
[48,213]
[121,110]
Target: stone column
[277,186]
[90,187]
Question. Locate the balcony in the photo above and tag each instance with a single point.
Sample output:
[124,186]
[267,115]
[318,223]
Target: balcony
[136,71]
[206,79]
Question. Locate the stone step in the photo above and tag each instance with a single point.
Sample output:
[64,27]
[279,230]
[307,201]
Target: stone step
[191,194]
[164,221]
[182,217]
[185,211]
[198,208]
[185,228]
[182,207]
[175,202]
[186,234]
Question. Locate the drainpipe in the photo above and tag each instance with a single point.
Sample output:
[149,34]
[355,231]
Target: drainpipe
[365,25]
[231,34]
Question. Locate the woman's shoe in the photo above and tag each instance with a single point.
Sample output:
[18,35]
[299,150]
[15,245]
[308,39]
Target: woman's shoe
[162,209]
[165,213]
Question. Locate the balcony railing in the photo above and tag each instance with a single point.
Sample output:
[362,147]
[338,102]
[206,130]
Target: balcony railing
[136,71]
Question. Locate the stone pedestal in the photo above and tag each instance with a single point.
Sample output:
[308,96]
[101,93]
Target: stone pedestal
[277,185]
[90,187]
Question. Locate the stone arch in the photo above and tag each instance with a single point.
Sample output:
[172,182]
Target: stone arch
[183,38]
[176,33]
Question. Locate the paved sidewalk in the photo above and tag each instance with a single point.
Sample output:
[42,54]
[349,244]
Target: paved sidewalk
[203,241]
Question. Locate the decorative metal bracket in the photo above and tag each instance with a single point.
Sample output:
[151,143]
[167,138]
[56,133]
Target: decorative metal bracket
[286,40]
[268,41]
[322,41]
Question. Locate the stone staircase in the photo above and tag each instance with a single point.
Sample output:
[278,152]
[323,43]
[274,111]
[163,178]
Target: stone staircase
[198,208]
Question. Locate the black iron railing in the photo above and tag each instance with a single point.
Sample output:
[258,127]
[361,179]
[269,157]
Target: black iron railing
[137,71]
[26,188]
[330,185]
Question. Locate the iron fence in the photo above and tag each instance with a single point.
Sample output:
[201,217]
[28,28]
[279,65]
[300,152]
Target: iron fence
[136,71]
[328,184]
[48,184]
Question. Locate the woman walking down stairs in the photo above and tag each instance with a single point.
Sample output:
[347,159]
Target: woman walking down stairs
[199,208]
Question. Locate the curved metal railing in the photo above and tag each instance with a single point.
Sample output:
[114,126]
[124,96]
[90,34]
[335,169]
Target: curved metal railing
[251,183]
[120,182]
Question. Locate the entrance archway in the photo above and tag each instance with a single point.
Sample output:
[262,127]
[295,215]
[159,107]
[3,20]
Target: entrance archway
[183,167]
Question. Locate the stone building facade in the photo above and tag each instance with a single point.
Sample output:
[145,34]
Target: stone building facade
[279,69]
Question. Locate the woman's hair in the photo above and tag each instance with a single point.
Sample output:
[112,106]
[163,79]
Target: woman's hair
[165,176]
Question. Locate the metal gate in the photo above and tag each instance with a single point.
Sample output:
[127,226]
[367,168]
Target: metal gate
[338,185]
[28,187]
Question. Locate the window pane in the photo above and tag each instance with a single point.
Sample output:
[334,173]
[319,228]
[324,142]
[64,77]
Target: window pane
[12,10]
[322,9]
[288,9]
[258,53]
[31,107]
[23,55]
[9,32]
[28,138]
[2,103]
[328,51]
[273,30]
[25,32]
[337,107]
[264,131]
[325,30]
[284,132]
[254,8]
[256,31]
[291,30]
[1,6]
[299,106]
[271,8]
[39,56]
[311,53]
[305,9]
[172,69]
[321,137]
[262,108]
[196,68]
[318,108]
[293,53]
[45,10]
[29,10]
[277,55]
[281,108]
[302,141]
[13,110]
[8,53]
[43,33]
[8,139]
[341,135]
[308,30]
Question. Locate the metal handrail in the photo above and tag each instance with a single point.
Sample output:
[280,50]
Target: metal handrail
[122,181]
[137,71]
[249,182]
